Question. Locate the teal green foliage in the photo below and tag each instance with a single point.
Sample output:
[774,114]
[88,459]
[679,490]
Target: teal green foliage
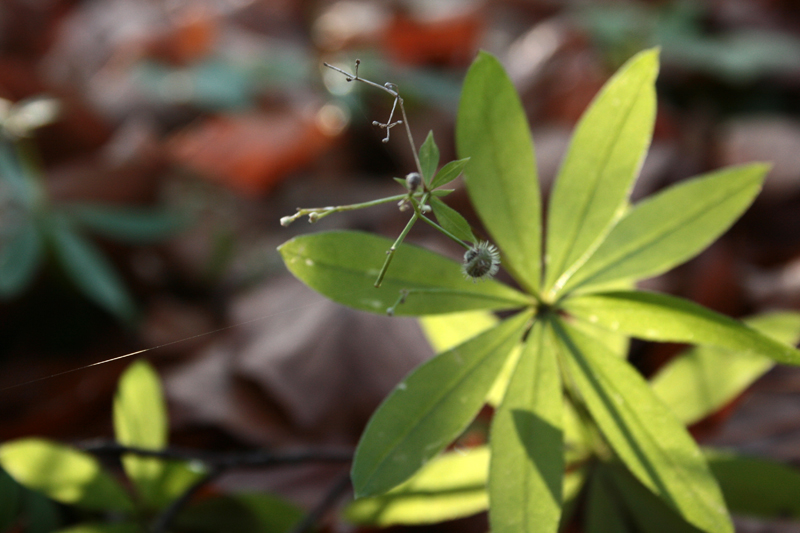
[35,229]
[73,477]
[573,417]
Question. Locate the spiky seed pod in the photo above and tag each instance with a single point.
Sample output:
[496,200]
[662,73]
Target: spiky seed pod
[481,261]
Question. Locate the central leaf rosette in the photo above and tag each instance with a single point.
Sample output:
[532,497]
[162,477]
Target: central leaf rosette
[558,363]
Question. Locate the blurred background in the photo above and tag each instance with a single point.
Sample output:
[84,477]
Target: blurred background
[150,148]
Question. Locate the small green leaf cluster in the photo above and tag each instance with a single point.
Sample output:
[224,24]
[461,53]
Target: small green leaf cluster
[35,229]
[572,416]
[74,477]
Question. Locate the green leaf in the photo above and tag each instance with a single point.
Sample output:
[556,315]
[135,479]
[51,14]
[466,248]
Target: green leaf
[40,512]
[452,221]
[10,500]
[343,265]
[449,330]
[90,270]
[703,379]
[446,331]
[218,515]
[642,431]
[755,486]
[125,527]
[429,158]
[20,256]
[430,408]
[527,466]
[140,421]
[671,227]
[650,513]
[607,150]
[449,172]
[63,474]
[274,515]
[501,178]
[604,510]
[441,193]
[658,317]
[450,486]
[129,224]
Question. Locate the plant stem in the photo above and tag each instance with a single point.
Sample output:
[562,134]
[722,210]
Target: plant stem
[398,99]
[445,232]
[390,252]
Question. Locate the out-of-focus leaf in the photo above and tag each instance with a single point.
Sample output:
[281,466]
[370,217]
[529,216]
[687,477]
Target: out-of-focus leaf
[430,408]
[218,515]
[41,513]
[604,510]
[10,500]
[671,227]
[343,266]
[126,527]
[756,486]
[136,225]
[642,431]
[450,486]
[20,256]
[658,317]
[90,270]
[273,514]
[63,474]
[449,172]
[140,420]
[608,147]
[527,442]
[452,221]
[649,512]
[501,178]
[703,379]
[429,158]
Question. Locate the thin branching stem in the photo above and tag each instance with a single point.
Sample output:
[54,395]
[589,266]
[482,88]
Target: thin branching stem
[398,100]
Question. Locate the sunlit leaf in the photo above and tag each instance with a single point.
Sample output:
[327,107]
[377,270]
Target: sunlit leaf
[642,431]
[430,408]
[63,474]
[607,150]
[140,421]
[527,442]
[703,379]
[450,486]
[343,265]
[673,226]
[658,317]
[429,158]
[501,178]
[452,221]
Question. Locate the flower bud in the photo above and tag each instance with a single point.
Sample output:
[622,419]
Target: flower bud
[413,181]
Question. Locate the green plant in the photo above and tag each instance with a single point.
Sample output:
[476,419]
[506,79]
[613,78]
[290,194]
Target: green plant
[568,404]
[161,480]
[33,225]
